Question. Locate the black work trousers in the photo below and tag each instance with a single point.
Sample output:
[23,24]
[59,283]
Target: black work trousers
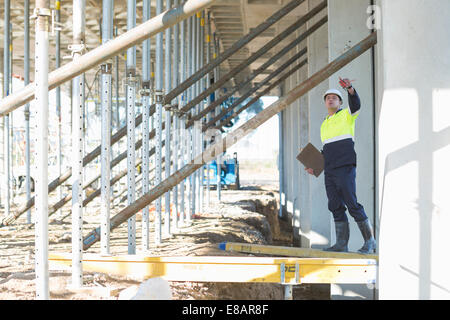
[340,186]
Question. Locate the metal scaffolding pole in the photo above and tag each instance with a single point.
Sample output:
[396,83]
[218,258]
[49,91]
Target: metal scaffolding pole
[200,88]
[168,80]
[27,106]
[116,62]
[217,111]
[195,111]
[78,46]
[158,96]
[145,126]
[183,133]
[6,92]
[11,144]
[131,100]
[176,118]
[58,89]
[208,81]
[106,103]
[189,132]
[193,94]
[238,133]
[117,95]
[41,15]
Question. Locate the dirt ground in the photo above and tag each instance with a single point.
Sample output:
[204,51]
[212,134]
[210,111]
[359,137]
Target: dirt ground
[246,215]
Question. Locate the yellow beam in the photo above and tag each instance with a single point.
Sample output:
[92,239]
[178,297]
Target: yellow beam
[292,251]
[289,270]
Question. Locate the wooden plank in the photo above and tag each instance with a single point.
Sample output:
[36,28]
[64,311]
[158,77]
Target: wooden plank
[292,251]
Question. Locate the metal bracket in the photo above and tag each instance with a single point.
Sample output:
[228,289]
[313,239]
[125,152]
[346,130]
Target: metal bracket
[283,274]
[56,26]
[182,114]
[37,12]
[27,115]
[106,68]
[77,48]
[145,91]
[172,107]
[131,81]
[159,97]
[42,12]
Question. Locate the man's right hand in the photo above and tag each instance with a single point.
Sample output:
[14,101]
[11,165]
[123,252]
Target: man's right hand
[310,171]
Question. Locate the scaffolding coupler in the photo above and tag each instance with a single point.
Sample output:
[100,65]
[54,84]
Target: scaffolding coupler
[145,91]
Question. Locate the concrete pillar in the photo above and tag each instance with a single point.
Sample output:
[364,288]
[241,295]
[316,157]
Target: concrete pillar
[319,217]
[414,148]
[304,203]
[294,147]
[343,33]
[295,172]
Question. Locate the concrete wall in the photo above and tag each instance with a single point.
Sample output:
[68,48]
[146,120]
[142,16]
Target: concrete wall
[414,150]
[343,33]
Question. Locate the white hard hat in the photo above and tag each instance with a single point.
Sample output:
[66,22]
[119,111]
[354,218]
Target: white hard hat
[333,91]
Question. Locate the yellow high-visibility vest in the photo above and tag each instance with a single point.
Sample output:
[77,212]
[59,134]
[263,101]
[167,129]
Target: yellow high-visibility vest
[338,126]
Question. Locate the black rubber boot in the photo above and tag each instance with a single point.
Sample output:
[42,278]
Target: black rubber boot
[369,246]
[342,236]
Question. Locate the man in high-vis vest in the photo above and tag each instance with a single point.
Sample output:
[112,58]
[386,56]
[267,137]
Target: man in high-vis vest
[337,134]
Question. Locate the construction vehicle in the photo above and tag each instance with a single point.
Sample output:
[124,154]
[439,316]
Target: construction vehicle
[229,173]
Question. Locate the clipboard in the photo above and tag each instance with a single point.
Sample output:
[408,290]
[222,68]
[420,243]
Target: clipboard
[312,158]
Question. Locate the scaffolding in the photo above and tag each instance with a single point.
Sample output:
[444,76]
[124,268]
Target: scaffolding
[177,115]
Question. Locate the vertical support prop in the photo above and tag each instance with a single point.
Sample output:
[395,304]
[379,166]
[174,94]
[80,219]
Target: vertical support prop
[41,15]
[145,94]
[78,46]
[158,122]
[168,79]
[106,103]
[217,112]
[210,100]
[131,101]
[27,106]
[6,92]
[58,90]
[176,120]
[183,133]
[193,131]
[201,87]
